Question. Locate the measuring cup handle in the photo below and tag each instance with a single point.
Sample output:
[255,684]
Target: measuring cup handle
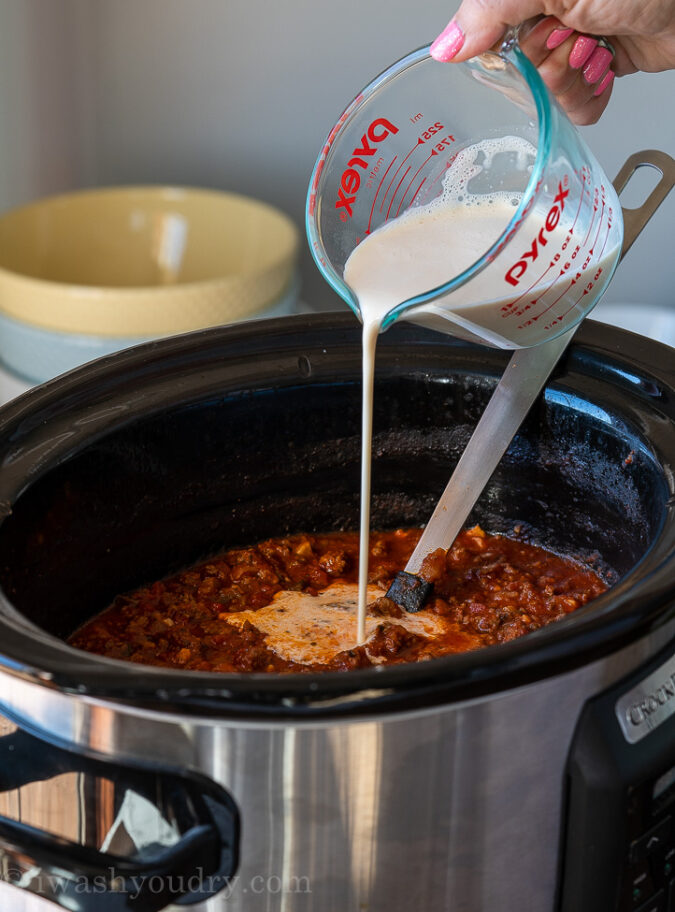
[511,36]
[634,220]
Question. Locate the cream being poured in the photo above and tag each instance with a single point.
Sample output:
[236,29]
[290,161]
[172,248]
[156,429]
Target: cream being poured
[429,245]
[420,250]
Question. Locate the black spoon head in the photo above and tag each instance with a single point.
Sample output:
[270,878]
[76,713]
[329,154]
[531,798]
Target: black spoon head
[409,591]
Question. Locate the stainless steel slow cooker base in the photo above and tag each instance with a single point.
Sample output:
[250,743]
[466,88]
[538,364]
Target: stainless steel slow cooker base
[457,807]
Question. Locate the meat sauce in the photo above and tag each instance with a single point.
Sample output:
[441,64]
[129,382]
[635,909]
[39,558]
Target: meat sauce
[289,605]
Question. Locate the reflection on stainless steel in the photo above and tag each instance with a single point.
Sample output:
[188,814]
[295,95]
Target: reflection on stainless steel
[56,806]
[427,810]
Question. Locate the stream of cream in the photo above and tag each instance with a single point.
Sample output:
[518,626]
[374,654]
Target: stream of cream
[419,250]
[414,252]
[428,245]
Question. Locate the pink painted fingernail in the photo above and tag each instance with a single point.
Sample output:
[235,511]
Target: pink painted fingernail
[605,82]
[581,50]
[557,36]
[448,43]
[598,62]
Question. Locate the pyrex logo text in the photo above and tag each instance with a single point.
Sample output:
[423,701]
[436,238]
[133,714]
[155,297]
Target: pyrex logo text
[516,272]
[350,181]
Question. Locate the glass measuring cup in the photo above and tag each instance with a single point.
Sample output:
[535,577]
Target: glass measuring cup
[556,237]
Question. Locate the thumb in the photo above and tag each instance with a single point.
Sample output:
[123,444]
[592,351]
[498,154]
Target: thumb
[479,24]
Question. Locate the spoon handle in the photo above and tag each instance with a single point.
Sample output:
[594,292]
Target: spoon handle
[521,383]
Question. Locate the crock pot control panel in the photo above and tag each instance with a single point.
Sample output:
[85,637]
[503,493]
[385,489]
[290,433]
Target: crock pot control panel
[619,840]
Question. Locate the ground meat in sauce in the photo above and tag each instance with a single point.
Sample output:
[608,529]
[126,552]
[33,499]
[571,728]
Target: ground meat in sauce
[488,589]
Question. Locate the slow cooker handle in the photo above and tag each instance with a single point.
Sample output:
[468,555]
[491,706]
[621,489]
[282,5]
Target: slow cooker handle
[71,875]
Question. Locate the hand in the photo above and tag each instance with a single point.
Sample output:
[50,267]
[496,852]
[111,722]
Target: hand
[564,46]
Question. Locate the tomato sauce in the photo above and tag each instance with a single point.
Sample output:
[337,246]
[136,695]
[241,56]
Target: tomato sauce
[237,612]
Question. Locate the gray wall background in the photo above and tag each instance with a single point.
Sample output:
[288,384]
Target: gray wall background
[239,95]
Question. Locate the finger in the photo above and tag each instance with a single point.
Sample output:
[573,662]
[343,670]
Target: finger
[593,78]
[553,64]
[547,40]
[591,111]
[597,65]
[623,64]
[572,73]
[557,74]
[576,98]
[553,49]
[587,95]
[479,24]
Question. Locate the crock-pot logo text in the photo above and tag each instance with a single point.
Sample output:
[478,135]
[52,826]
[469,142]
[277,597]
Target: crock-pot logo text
[642,709]
[351,178]
[518,270]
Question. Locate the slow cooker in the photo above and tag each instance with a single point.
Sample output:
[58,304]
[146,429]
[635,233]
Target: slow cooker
[535,775]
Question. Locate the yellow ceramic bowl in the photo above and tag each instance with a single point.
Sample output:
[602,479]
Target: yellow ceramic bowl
[143,261]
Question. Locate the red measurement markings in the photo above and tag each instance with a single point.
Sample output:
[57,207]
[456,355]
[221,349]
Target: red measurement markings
[522,310]
[541,313]
[507,309]
[441,174]
[598,272]
[420,142]
[587,290]
[440,146]
[396,190]
[398,211]
[417,191]
[602,212]
[609,227]
[444,143]
[379,187]
[386,192]
[595,209]
[565,267]
[581,198]
[317,250]
[412,181]
[427,135]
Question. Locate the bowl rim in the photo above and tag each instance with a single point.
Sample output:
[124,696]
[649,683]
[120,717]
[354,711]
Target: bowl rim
[73,307]
[290,229]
